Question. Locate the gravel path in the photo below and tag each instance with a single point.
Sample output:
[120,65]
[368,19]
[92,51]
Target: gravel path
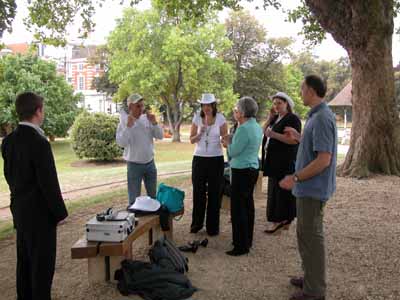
[362,224]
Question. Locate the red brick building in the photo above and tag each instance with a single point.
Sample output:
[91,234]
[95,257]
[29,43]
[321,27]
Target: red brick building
[79,72]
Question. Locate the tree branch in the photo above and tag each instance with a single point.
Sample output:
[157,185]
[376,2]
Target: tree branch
[335,16]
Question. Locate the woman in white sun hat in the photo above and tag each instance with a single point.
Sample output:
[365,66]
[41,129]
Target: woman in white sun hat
[279,157]
[208,126]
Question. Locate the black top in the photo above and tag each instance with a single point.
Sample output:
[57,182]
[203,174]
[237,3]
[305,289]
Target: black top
[29,169]
[280,157]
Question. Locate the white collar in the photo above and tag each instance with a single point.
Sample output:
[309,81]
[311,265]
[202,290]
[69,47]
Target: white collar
[34,126]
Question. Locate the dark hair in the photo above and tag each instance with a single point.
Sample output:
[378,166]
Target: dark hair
[317,84]
[27,104]
[289,108]
[214,110]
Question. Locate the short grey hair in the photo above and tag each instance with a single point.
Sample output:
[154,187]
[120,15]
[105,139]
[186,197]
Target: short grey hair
[247,106]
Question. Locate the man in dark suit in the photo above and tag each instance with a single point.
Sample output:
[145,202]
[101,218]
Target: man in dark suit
[36,201]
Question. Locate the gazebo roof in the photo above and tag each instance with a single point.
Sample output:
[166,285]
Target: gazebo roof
[343,98]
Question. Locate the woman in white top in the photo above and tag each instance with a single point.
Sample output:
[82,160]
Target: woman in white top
[208,127]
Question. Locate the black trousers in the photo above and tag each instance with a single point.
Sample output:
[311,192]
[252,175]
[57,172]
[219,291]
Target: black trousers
[36,257]
[281,204]
[242,207]
[207,180]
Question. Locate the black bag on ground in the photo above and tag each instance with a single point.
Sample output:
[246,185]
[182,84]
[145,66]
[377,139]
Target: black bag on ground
[152,282]
[165,254]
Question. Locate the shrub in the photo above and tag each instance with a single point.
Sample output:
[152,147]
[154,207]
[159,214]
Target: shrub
[93,136]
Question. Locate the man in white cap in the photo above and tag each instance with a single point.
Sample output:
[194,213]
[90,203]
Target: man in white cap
[135,134]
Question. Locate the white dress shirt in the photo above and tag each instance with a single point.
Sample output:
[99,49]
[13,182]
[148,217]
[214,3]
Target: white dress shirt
[37,128]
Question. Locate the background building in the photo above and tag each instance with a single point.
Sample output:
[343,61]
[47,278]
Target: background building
[73,63]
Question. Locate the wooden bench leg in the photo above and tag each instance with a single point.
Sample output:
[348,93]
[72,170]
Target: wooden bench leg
[102,268]
[96,269]
[115,264]
[151,237]
[170,233]
[157,233]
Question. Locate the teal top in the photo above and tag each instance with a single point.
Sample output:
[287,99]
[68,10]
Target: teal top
[245,145]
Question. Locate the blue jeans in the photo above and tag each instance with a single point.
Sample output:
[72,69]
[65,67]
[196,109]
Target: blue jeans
[137,173]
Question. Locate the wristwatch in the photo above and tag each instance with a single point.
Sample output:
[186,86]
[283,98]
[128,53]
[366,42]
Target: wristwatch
[296,178]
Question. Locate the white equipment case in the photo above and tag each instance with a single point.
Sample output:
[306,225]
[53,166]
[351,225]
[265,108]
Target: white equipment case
[110,230]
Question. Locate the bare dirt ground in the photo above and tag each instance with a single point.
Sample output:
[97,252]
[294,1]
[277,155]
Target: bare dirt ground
[362,225]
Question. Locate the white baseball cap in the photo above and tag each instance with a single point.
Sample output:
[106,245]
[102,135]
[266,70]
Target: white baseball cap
[134,98]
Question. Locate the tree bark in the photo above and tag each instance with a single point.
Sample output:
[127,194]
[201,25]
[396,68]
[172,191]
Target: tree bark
[174,115]
[365,28]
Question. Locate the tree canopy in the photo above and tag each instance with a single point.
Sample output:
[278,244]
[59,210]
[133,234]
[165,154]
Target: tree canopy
[29,73]
[169,61]
[364,28]
[336,73]
[256,58]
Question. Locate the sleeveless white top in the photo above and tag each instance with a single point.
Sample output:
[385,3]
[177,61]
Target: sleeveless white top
[210,142]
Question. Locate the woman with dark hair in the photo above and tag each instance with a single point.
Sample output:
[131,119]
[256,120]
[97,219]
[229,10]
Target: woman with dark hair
[208,127]
[279,157]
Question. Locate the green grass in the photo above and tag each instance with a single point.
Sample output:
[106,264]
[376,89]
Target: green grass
[63,155]
[7,230]
[169,157]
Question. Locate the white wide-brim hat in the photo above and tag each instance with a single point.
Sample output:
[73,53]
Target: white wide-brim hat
[284,96]
[207,99]
[145,203]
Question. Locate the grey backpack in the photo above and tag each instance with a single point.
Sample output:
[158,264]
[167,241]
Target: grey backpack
[165,254]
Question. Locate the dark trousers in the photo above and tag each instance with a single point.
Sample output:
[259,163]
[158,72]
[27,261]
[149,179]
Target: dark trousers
[311,242]
[281,204]
[242,207]
[207,180]
[36,257]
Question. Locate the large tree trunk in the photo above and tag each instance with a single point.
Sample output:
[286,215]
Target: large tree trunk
[365,28]
[374,143]
[174,115]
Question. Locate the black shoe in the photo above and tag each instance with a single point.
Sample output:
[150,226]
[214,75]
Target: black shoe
[203,243]
[198,243]
[237,252]
[297,282]
[212,233]
[189,248]
[301,296]
[274,230]
[195,229]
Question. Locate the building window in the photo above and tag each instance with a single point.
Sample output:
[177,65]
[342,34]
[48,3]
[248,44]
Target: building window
[81,83]
[80,67]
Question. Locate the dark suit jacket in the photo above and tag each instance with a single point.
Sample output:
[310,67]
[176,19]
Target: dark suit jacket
[31,174]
